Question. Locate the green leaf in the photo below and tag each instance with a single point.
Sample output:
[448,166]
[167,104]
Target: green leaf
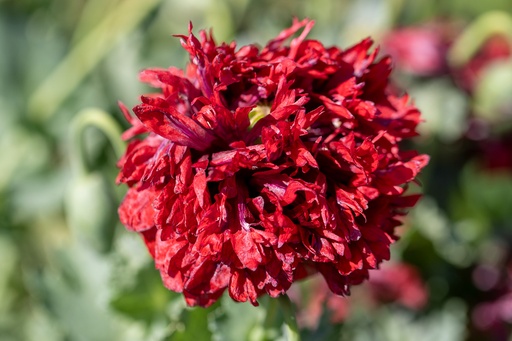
[9,257]
[393,324]
[234,321]
[433,224]
[485,196]
[148,298]
[193,325]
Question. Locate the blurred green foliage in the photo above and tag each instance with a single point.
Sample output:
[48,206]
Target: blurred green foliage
[59,282]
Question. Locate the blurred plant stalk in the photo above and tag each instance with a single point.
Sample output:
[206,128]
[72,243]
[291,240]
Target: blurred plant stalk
[97,118]
[85,55]
[471,40]
[491,91]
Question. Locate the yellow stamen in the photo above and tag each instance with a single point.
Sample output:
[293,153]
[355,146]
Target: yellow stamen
[257,114]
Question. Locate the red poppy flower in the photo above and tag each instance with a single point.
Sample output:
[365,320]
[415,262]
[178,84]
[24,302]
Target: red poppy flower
[496,48]
[420,50]
[400,283]
[262,166]
[395,283]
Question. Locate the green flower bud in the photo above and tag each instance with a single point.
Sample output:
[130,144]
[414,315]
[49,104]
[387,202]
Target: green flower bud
[91,211]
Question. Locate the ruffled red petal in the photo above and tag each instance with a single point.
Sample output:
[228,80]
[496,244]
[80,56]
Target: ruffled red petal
[316,185]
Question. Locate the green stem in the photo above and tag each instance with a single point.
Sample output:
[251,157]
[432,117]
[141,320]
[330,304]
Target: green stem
[92,13]
[477,33]
[396,7]
[85,55]
[105,123]
[271,313]
[289,318]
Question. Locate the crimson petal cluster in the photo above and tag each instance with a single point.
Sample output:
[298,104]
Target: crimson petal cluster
[256,167]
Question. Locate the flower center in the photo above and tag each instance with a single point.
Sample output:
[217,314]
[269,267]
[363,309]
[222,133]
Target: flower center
[257,114]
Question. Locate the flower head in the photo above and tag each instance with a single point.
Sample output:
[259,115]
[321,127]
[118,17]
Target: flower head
[420,50]
[264,165]
[399,283]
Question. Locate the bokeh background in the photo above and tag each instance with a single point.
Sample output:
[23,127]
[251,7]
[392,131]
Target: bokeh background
[69,270]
